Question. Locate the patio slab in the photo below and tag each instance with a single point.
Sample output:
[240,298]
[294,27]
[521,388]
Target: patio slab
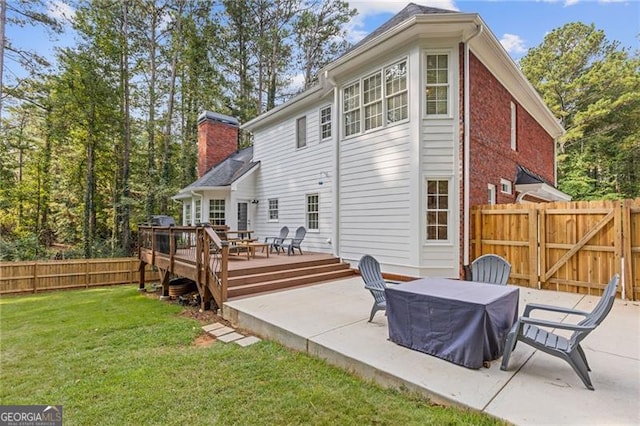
[329,321]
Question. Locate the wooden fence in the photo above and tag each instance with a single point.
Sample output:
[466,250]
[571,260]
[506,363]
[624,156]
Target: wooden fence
[569,246]
[23,277]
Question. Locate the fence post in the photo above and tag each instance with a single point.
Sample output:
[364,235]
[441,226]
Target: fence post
[627,290]
[35,277]
[533,247]
[478,232]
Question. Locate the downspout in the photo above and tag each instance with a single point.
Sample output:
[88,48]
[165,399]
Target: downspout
[335,235]
[467,152]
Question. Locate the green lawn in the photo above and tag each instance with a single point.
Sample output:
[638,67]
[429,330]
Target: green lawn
[112,356]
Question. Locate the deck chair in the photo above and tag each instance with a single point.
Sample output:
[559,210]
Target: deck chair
[276,242]
[491,269]
[527,330]
[293,243]
[373,281]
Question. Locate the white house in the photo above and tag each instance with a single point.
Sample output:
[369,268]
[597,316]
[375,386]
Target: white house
[379,157]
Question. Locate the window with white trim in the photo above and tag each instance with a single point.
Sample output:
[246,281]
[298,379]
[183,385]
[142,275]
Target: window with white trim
[372,101]
[198,211]
[437,212]
[437,84]
[325,122]
[351,107]
[505,186]
[395,78]
[491,193]
[377,100]
[301,132]
[273,209]
[514,127]
[187,213]
[313,212]
[217,212]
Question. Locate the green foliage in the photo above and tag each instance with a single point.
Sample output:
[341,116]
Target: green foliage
[593,87]
[25,248]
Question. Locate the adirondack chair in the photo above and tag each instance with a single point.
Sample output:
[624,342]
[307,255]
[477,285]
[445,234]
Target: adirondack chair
[527,330]
[291,244]
[373,281]
[276,242]
[491,269]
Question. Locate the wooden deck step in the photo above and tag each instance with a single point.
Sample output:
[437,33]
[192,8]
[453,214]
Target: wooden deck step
[284,273]
[252,268]
[260,287]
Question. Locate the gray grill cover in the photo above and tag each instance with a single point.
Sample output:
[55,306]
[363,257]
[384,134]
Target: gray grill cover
[460,321]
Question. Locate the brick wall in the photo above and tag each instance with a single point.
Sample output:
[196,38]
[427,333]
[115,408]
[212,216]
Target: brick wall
[216,141]
[490,129]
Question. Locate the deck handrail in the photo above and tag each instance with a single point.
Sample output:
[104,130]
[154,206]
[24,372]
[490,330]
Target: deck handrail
[199,246]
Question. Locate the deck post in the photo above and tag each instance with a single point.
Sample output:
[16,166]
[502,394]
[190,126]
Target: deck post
[141,278]
[164,279]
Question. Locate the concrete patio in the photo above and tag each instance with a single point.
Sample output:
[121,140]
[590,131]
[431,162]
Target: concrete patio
[329,321]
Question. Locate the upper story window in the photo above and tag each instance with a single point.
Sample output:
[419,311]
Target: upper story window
[273,209]
[514,133]
[437,209]
[395,78]
[372,101]
[351,109]
[491,193]
[325,122]
[313,212]
[301,132]
[377,100]
[437,84]
[216,212]
[505,186]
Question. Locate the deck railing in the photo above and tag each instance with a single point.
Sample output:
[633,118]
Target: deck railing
[196,252]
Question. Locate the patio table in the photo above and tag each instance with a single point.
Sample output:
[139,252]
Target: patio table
[460,321]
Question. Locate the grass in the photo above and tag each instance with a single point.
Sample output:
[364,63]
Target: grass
[111,356]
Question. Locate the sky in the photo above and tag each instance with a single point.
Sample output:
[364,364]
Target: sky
[518,24]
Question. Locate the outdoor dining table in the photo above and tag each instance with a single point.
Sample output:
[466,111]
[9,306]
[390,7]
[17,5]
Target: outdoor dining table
[462,322]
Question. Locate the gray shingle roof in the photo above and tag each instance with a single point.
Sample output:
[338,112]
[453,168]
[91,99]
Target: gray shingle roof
[410,10]
[227,171]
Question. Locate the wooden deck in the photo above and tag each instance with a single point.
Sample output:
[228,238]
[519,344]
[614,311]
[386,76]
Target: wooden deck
[221,275]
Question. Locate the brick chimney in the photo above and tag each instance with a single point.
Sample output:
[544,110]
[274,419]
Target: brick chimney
[217,139]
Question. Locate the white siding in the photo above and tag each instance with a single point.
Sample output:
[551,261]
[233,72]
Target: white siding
[375,194]
[289,174]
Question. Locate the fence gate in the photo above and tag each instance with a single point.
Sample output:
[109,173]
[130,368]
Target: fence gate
[568,246]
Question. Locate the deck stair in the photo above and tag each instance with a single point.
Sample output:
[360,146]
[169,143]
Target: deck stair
[261,279]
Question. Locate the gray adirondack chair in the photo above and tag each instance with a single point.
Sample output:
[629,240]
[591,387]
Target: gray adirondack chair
[527,330]
[490,268]
[373,281]
[291,244]
[276,242]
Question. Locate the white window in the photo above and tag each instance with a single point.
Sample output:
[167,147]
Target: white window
[395,78]
[273,209]
[372,101]
[198,212]
[491,193]
[514,127]
[437,214]
[313,212]
[216,212]
[351,107]
[187,213]
[301,132]
[378,100]
[505,186]
[325,123]
[437,84]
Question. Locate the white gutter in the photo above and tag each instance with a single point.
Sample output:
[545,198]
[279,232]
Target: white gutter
[467,153]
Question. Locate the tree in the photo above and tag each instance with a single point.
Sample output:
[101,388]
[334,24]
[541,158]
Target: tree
[593,87]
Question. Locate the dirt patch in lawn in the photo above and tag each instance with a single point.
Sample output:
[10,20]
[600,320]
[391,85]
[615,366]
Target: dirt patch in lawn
[204,340]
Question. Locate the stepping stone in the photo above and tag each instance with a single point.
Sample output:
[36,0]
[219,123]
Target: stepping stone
[211,327]
[230,337]
[221,331]
[249,340]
